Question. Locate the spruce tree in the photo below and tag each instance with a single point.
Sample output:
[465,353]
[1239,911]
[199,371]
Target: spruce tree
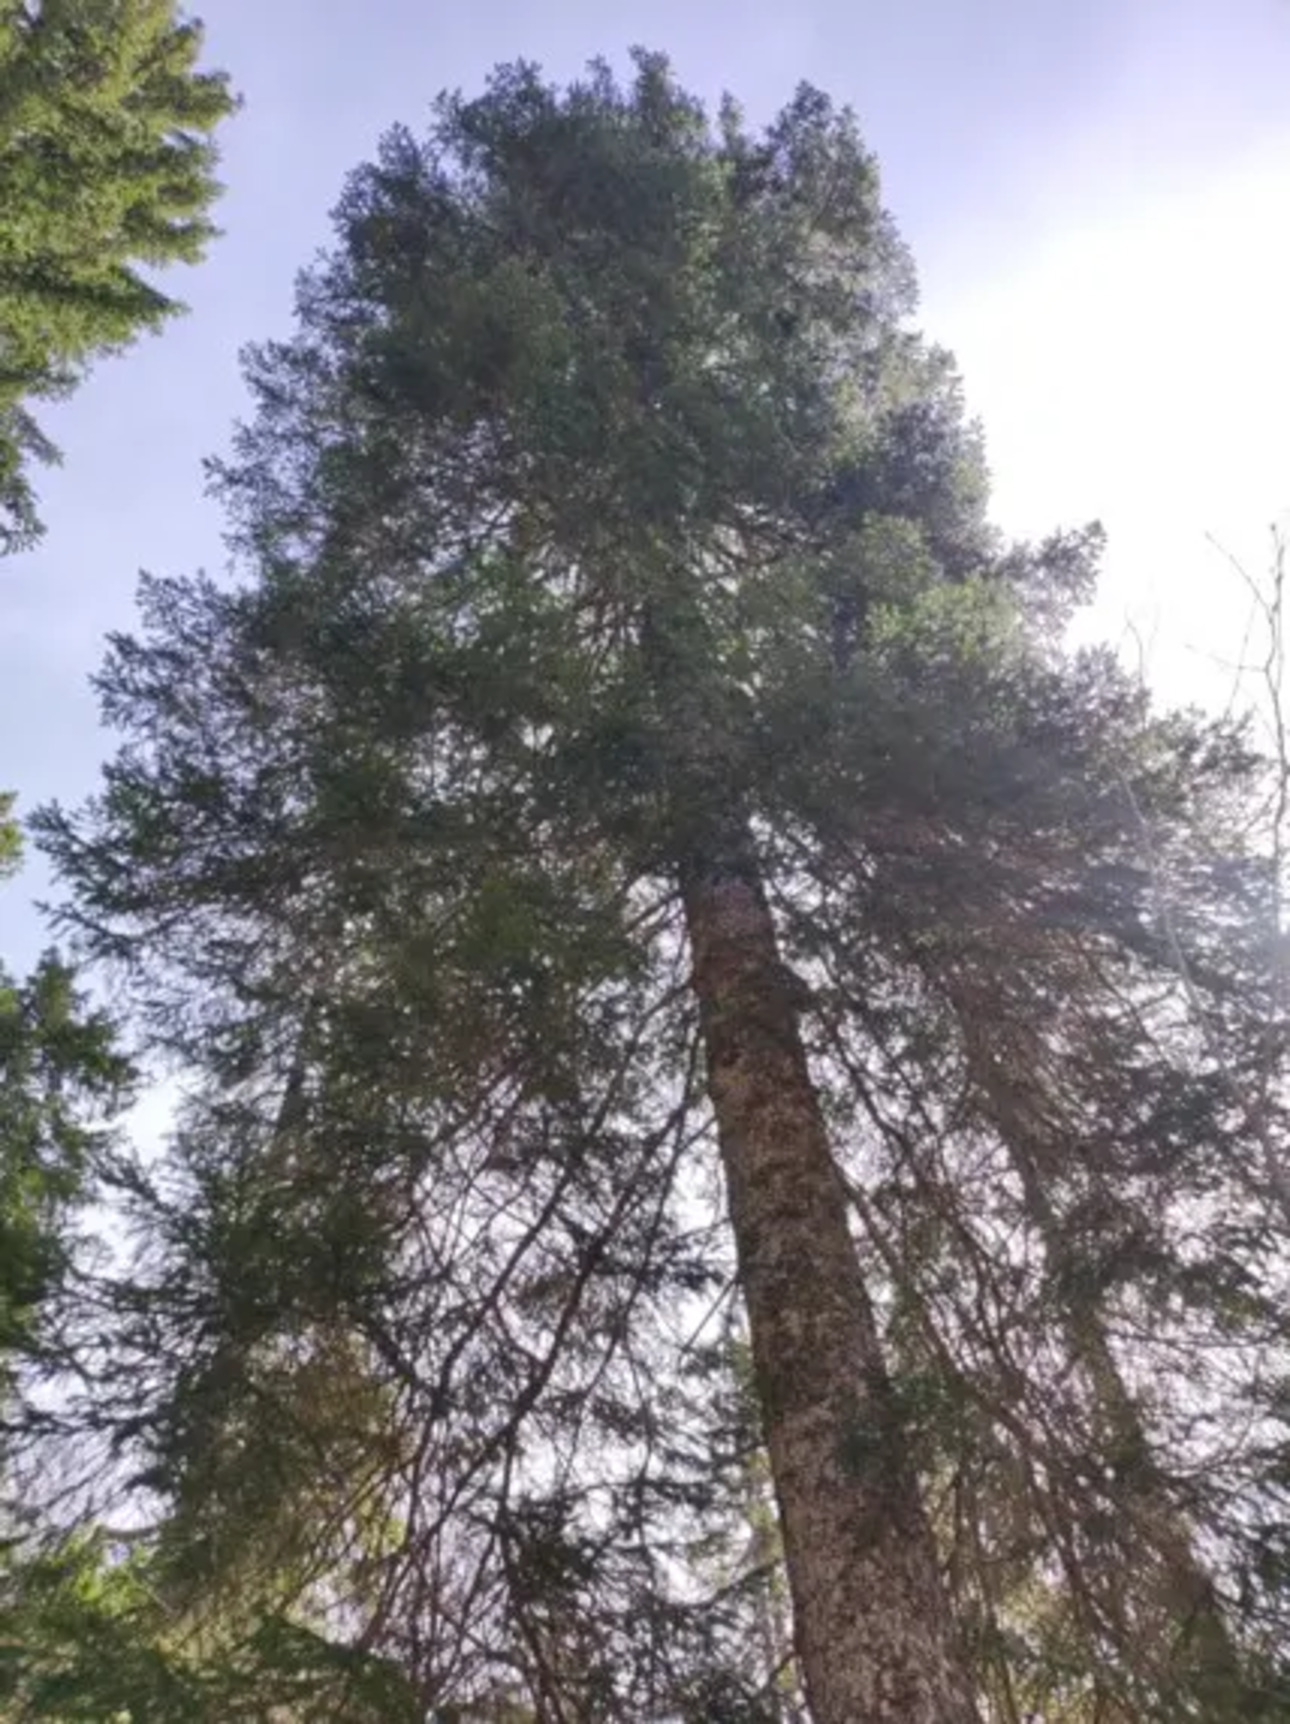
[632,838]
[106,174]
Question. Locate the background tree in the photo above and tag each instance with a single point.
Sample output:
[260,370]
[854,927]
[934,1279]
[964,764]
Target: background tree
[58,1067]
[62,1079]
[10,837]
[633,837]
[106,173]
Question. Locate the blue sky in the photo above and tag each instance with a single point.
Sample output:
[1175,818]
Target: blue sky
[1096,194]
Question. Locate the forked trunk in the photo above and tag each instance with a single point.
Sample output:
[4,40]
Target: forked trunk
[872,1623]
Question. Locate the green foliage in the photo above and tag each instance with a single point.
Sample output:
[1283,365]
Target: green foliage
[58,1068]
[108,171]
[10,837]
[84,1637]
[73,1645]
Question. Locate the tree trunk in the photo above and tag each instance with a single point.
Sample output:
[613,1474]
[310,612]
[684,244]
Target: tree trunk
[872,1621]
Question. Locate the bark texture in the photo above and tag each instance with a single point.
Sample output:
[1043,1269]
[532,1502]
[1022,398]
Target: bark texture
[872,1622]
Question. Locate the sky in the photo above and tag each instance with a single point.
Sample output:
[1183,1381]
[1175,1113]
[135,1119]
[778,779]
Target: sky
[1096,192]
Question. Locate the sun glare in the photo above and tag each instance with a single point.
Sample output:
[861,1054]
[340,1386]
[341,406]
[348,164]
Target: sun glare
[1137,371]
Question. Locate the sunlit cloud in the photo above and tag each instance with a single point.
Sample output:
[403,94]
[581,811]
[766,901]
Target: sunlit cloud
[1137,370]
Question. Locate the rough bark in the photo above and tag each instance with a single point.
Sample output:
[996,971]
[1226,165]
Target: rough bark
[872,1622]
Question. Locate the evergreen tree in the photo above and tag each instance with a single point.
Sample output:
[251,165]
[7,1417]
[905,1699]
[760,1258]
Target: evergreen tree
[61,1080]
[106,173]
[10,837]
[57,1065]
[633,774]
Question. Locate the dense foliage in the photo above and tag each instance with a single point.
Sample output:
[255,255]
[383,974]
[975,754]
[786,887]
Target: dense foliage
[604,516]
[106,173]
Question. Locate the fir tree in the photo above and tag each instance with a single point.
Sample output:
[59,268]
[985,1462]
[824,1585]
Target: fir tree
[106,173]
[633,837]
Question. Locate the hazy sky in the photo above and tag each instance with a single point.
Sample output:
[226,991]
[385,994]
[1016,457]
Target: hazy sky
[1097,193]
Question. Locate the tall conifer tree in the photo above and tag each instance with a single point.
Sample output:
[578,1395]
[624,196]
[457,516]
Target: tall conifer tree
[634,837]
